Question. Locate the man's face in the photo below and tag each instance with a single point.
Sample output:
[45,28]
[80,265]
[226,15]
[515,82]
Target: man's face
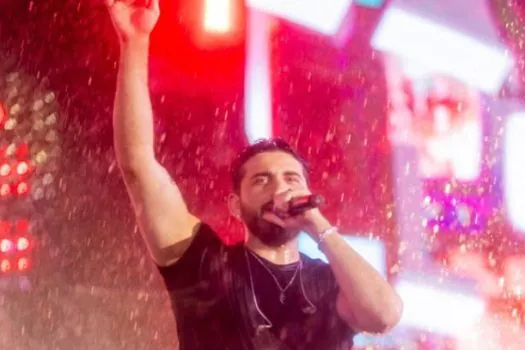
[266,175]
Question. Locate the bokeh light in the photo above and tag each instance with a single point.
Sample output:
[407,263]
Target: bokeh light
[30,148]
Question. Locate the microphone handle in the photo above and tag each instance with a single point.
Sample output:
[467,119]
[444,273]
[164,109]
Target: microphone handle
[301,204]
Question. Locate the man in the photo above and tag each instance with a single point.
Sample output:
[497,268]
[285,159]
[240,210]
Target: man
[262,294]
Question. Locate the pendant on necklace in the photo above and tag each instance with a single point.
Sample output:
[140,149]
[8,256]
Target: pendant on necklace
[282,298]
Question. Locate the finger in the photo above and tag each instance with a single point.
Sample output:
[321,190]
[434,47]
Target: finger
[283,200]
[288,195]
[111,3]
[153,5]
[133,3]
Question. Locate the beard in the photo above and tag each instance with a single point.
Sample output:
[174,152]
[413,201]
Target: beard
[267,232]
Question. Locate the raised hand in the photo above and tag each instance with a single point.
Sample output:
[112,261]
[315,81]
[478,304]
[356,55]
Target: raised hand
[134,19]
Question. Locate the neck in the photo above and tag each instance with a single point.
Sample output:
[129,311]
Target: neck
[287,253]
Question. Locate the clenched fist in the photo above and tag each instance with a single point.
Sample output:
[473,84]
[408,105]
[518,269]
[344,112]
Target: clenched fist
[133,19]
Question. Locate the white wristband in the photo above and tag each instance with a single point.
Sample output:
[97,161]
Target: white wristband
[326,232]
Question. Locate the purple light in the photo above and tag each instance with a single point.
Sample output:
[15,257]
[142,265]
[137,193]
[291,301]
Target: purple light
[450,214]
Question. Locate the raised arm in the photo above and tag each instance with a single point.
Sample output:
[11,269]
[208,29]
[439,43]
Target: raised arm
[163,217]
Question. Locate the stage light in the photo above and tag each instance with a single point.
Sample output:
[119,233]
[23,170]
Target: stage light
[10,124]
[221,25]
[515,275]
[258,93]
[464,214]
[23,264]
[370,3]
[5,265]
[218,16]
[22,244]
[16,245]
[325,17]
[429,308]
[22,168]
[22,188]
[5,190]
[30,151]
[6,245]
[25,160]
[445,213]
[509,19]
[455,153]
[5,170]
[514,170]
[372,250]
[438,49]
[441,117]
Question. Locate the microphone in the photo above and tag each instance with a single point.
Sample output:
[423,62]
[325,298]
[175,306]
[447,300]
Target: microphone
[297,205]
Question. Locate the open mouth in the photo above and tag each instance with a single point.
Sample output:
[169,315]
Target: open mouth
[269,207]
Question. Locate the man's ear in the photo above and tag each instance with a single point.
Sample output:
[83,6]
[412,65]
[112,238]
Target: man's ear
[234,205]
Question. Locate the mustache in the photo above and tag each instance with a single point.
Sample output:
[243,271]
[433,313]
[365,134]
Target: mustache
[269,207]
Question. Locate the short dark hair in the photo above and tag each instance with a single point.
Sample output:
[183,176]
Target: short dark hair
[261,146]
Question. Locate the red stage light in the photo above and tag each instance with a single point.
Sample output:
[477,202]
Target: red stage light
[218,16]
[22,188]
[15,243]
[22,244]
[5,170]
[22,168]
[23,264]
[5,265]
[221,24]
[5,245]
[5,190]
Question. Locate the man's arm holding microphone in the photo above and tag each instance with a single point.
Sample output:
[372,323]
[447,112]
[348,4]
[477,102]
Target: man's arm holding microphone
[366,301]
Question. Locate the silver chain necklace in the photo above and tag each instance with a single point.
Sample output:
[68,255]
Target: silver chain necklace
[282,295]
[310,309]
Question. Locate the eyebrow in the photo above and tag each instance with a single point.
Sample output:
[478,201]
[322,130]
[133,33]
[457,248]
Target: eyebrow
[293,173]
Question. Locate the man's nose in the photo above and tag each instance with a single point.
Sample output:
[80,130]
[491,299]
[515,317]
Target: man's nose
[280,187]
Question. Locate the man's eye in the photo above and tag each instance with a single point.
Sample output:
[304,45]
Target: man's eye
[294,179]
[259,180]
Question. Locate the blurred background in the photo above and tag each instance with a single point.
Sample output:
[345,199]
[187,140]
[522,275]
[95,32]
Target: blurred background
[412,113]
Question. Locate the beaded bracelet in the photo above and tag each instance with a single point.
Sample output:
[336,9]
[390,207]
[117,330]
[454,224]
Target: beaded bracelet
[326,232]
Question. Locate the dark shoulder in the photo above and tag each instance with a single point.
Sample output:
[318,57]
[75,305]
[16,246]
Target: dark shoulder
[197,260]
[318,274]
[205,238]
[313,264]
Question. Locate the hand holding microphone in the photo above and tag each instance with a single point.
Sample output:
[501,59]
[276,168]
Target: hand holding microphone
[294,206]
[296,210]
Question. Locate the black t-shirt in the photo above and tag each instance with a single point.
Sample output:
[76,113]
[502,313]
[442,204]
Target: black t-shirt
[224,297]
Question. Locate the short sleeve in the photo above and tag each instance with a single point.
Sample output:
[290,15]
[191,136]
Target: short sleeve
[324,290]
[322,280]
[194,265]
